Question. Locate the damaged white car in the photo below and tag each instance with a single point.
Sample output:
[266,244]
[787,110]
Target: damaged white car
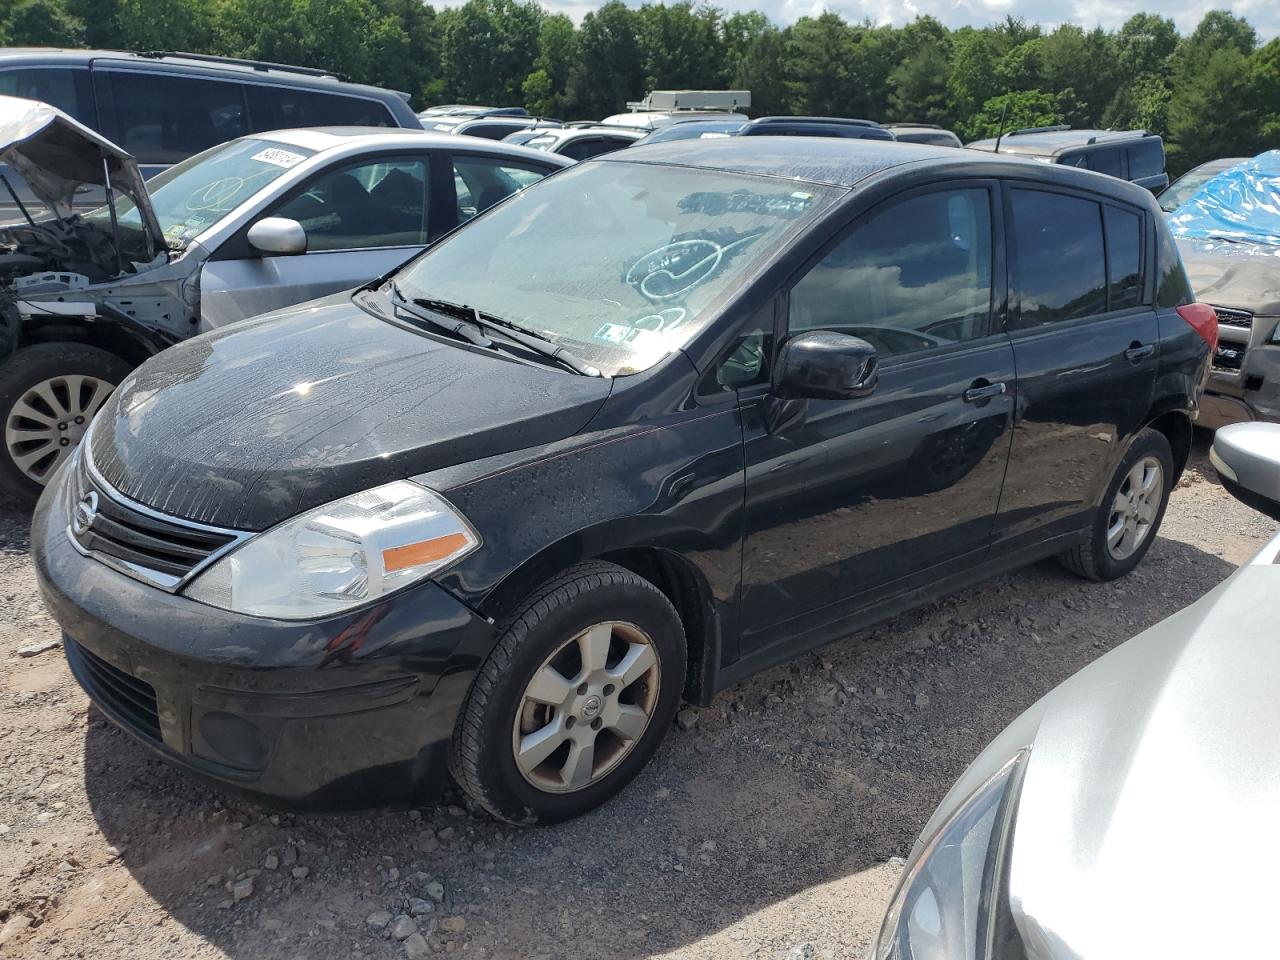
[246,227]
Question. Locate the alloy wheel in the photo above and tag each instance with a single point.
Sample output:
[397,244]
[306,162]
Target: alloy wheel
[586,707]
[47,423]
[1134,509]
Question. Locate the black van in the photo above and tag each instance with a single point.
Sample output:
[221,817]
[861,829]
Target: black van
[667,418]
[1133,155]
[165,107]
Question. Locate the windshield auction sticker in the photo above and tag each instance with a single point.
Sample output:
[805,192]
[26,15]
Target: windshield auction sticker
[281,158]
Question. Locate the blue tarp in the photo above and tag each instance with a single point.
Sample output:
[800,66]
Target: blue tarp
[1242,204]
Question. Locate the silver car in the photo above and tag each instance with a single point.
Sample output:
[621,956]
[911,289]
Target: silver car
[248,226]
[1132,811]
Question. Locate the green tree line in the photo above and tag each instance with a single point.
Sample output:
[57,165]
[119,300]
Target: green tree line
[1212,93]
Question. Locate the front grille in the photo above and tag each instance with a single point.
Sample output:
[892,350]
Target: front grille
[126,698]
[135,540]
[1228,317]
[1228,358]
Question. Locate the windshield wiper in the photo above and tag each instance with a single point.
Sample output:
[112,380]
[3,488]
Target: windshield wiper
[538,344]
[437,312]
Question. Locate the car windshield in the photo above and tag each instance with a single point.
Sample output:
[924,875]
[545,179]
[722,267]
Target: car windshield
[191,196]
[1180,191]
[621,263]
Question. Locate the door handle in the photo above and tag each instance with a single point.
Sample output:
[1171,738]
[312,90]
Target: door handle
[1138,352]
[981,390]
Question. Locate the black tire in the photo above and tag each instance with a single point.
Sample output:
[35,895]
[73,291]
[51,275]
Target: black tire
[482,758]
[26,369]
[1092,559]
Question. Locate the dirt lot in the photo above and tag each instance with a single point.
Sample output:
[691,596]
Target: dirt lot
[773,827]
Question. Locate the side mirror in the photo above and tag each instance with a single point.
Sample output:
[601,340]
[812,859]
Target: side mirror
[1247,458]
[278,235]
[826,366]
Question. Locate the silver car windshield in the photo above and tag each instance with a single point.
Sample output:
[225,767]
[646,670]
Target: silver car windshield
[191,196]
[619,262]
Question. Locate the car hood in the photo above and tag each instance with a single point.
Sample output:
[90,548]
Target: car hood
[56,155]
[1233,274]
[248,426]
[1146,825]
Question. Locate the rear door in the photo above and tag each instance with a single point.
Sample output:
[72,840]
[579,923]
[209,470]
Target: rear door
[362,219]
[1086,344]
[851,501]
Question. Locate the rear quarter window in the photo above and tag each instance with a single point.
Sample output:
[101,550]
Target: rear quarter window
[276,108]
[1146,158]
[1110,162]
[1173,289]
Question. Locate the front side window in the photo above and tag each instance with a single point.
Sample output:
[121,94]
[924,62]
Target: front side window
[916,275]
[378,203]
[1058,268]
[621,263]
[161,118]
[480,182]
[192,196]
[64,88]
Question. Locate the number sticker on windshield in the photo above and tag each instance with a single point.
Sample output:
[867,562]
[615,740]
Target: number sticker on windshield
[281,158]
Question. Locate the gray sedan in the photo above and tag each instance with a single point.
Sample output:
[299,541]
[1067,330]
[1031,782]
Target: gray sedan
[1131,812]
[246,227]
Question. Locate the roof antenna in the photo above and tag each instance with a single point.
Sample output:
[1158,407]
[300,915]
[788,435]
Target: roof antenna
[1000,130]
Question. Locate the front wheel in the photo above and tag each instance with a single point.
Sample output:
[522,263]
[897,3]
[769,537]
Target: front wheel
[1125,525]
[574,699]
[48,394]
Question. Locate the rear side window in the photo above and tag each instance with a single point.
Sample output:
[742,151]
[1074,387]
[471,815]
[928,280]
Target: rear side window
[278,108]
[480,182]
[65,88]
[1059,270]
[588,147]
[1146,158]
[1124,257]
[161,118]
[916,275]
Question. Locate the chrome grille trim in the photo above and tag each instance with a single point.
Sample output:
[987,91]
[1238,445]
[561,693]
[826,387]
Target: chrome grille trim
[1231,317]
[136,540]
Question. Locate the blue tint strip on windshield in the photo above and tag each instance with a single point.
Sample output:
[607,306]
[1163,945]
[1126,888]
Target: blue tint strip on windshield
[1242,203]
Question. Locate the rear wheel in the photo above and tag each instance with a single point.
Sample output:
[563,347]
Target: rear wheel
[48,394]
[575,698]
[1125,525]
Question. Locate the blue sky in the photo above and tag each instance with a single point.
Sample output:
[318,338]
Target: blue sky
[1263,14]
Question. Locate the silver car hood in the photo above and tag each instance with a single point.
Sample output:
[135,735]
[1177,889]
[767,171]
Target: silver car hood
[57,154]
[1147,822]
[1232,274]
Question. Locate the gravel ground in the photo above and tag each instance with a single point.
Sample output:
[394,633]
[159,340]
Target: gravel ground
[772,828]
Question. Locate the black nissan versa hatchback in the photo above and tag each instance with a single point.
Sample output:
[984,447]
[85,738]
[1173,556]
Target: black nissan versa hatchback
[664,419]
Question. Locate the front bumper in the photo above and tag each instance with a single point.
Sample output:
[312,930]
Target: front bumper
[353,711]
[1247,386]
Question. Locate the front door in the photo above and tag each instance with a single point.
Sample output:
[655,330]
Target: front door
[1086,343]
[849,500]
[362,220]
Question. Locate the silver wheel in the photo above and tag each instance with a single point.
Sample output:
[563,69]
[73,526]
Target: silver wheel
[1134,509]
[586,707]
[49,420]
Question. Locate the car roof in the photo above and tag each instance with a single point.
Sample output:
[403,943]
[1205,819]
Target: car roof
[321,139]
[842,162]
[593,130]
[277,73]
[1052,141]
[832,160]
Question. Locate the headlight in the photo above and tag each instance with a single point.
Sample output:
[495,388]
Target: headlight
[945,905]
[339,556]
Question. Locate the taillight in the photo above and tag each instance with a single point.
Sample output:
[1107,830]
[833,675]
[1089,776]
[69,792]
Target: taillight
[1203,320]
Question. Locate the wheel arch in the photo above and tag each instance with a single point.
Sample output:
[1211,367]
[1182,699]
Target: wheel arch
[1178,430]
[119,335]
[675,575]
